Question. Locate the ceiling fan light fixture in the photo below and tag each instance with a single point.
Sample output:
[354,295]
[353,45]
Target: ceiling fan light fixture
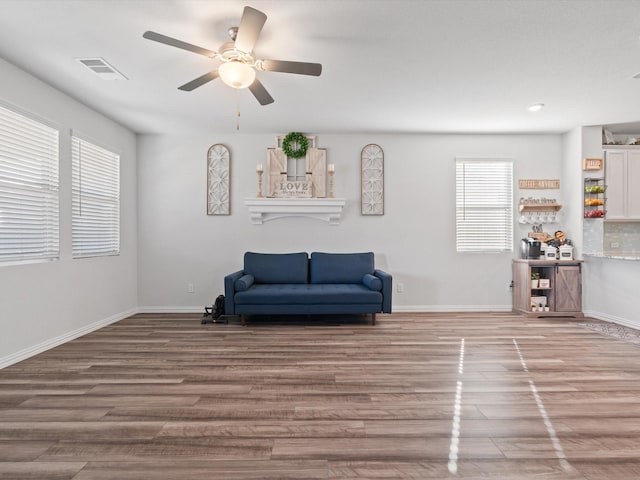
[237,67]
[237,74]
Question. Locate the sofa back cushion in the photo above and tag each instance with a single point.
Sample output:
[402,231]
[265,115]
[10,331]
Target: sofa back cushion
[340,267]
[277,267]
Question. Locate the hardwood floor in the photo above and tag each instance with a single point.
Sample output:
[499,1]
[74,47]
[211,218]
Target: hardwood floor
[420,396]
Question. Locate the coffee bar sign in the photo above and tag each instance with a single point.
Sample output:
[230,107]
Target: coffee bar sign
[293,189]
[539,184]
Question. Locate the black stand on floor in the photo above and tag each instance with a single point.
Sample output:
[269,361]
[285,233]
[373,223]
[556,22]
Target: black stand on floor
[209,318]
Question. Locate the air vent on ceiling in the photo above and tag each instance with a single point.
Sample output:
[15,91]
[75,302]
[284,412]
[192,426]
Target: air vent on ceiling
[100,67]
[637,75]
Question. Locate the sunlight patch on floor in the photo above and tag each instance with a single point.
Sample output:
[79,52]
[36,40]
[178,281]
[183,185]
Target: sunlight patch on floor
[455,426]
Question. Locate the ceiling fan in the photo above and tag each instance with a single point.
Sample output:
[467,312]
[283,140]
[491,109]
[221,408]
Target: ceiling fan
[238,65]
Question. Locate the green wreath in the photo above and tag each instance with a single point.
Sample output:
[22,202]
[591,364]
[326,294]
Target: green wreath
[298,139]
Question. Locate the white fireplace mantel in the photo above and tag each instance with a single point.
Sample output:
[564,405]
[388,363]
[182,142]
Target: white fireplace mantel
[266,209]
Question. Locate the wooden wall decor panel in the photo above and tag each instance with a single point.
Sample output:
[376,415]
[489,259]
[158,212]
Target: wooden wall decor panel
[218,180]
[372,180]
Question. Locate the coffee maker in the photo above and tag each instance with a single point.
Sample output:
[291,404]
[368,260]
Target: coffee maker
[530,249]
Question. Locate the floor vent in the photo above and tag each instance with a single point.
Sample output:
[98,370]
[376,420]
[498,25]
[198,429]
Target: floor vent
[100,67]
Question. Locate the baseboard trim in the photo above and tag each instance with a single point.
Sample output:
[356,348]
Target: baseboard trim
[395,308]
[612,318]
[171,309]
[450,308]
[64,338]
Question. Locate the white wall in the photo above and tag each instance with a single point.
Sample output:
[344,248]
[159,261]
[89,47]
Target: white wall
[571,183]
[44,304]
[414,240]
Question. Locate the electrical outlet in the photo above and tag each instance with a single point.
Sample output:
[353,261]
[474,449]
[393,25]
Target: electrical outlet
[615,245]
[400,287]
[190,288]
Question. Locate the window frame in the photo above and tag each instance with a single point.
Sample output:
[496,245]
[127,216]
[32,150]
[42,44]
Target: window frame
[297,168]
[496,212]
[30,185]
[98,234]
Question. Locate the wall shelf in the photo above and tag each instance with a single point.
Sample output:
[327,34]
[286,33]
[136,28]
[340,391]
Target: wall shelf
[539,207]
[266,209]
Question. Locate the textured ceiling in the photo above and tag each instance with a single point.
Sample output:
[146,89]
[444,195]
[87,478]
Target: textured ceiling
[389,65]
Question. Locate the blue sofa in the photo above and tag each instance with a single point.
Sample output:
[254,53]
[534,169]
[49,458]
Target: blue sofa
[295,284]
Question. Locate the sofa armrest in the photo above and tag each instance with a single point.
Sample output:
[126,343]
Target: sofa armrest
[244,283]
[230,291]
[372,282]
[387,289]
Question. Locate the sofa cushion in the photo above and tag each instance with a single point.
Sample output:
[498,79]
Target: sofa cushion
[243,283]
[297,294]
[277,267]
[372,282]
[340,267]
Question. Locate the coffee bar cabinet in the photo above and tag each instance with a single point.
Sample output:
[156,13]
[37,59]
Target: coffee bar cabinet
[547,288]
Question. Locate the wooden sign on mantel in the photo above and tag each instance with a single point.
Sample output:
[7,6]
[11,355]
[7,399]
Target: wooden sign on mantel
[294,189]
[539,184]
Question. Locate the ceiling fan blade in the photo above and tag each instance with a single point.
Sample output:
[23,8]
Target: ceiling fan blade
[249,30]
[260,93]
[198,82]
[158,37]
[301,68]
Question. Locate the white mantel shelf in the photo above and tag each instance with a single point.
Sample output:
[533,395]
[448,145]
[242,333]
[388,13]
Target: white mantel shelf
[266,209]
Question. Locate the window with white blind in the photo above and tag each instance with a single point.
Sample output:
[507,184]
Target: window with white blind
[95,200]
[484,205]
[29,200]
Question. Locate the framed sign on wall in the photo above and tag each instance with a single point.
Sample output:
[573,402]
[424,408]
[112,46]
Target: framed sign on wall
[592,164]
[536,184]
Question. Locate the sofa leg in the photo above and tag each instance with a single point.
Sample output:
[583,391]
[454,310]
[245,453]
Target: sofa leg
[373,319]
[243,320]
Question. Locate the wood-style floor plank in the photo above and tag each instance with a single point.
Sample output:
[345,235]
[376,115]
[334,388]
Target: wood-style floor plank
[37,470]
[164,397]
[381,448]
[149,451]
[22,451]
[248,469]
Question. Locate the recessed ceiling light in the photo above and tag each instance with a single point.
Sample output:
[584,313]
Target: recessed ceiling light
[536,107]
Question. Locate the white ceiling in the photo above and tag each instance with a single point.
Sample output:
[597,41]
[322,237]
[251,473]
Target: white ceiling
[388,65]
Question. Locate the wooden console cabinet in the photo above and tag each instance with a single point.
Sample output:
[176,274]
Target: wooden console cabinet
[564,293]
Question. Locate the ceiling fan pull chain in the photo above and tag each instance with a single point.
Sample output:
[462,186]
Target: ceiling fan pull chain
[238,110]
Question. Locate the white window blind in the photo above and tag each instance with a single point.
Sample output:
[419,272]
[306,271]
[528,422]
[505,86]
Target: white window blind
[484,205]
[29,203]
[95,192]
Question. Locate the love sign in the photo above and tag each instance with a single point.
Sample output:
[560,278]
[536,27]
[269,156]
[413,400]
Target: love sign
[293,189]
